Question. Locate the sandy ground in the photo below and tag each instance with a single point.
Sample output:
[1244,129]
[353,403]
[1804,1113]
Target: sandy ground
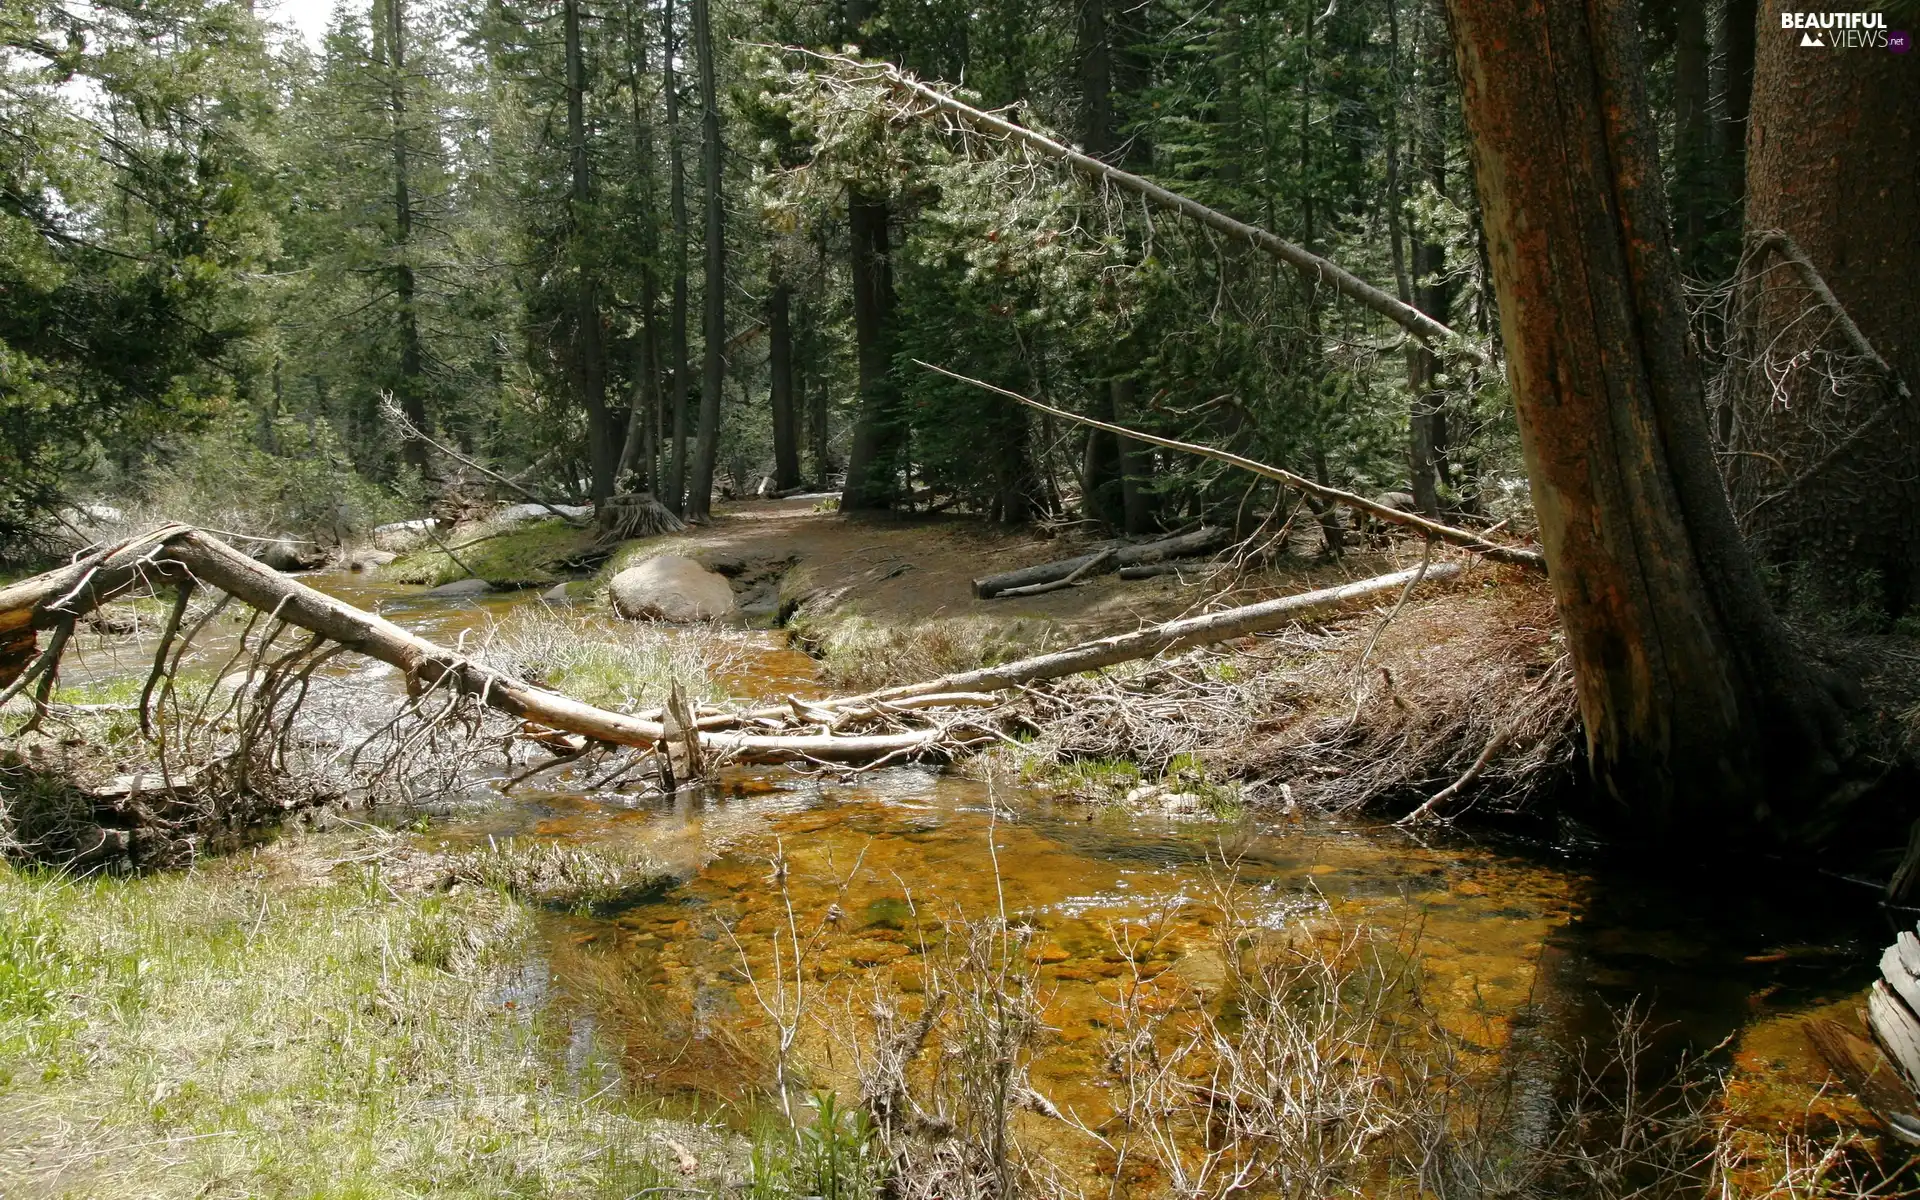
[897,569]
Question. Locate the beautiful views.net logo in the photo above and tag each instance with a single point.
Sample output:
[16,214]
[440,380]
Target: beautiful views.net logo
[1845,31]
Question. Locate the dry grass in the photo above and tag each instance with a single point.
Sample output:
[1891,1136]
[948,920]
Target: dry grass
[1349,716]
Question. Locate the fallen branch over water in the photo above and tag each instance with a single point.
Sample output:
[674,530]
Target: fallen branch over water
[179,556]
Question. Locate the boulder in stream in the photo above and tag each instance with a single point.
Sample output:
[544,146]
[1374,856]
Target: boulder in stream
[462,587]
[673,589]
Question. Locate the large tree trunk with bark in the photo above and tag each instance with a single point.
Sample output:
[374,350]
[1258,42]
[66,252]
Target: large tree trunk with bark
[714,308]
[1700,717]
[589,354]
[1825,462]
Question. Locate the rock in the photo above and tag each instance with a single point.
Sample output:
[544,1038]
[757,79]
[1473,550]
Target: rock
[370,560]
[403,535]
[671,588]
[520,514]
[557,594]
[287,553]
[462,587]
[1398,501]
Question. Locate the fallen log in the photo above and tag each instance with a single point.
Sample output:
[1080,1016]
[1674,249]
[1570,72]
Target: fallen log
[177,554]
[1152,570]
[1199,541]
[1040,589]
[1463,538]
[1204,630]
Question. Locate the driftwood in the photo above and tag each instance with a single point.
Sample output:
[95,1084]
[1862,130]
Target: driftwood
[1026,580]
[1463,538]
[1153,570]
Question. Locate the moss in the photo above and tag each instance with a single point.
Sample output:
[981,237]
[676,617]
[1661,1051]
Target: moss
[538,555]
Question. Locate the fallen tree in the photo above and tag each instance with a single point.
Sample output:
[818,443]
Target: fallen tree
[182,558]
[1025,580]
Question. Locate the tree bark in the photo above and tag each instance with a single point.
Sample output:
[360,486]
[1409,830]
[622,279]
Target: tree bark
[714,308]
[1700,717]
[589,354]
[1834,162]
[410,392]
[786,419]
[1692,134]
[643,418]
[873,459]
[676,494]
[1431,291]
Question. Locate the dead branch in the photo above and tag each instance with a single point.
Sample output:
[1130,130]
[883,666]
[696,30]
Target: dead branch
[1465,539]
[1310,265]
[400,422]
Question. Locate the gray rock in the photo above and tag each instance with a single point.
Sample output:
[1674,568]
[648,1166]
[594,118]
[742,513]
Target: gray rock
[557,594]
[462,587]
[1398,501]
[673,589]
[403,535]
[520,514]
[370,560]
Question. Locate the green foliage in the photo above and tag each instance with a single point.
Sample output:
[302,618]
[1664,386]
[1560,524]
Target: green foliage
[542,553]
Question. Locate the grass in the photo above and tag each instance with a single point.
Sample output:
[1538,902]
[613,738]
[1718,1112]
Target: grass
[623,665]
[257,1028]
[857,652]
[534,555]
[582,878]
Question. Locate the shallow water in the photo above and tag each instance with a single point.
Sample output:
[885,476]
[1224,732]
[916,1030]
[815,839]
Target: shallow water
[1515,942]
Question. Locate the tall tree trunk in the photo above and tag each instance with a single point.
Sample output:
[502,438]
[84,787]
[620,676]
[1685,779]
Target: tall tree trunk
[1116,493]
[1430,291]
[1834,162]
[589,355]
[1700,717]
[819,429]
[714,310]
[786,420]
[643,417]
[1734,46]
[677,205]
[410,386]
[1692,135]
[879,433]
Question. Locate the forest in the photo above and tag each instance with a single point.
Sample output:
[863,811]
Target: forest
[904,598]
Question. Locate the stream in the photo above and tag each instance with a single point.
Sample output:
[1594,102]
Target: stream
[1513,939]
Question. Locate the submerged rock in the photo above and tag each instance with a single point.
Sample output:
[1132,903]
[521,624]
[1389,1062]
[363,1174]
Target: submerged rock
[462,587]
[671,588]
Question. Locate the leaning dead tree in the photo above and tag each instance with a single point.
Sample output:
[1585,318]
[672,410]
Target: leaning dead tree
[933,717]
[930,103]
[1466,539]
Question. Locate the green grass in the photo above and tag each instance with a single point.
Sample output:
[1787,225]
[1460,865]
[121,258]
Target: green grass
[533,556]
[582,878]
[231,1032]
[619,665]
